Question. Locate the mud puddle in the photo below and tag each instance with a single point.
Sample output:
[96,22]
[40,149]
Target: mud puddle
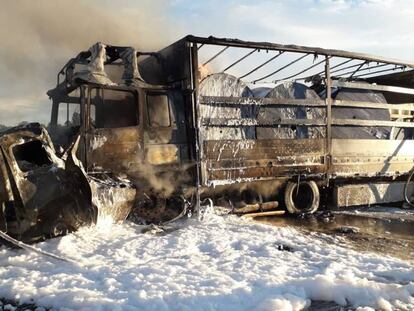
[365,229]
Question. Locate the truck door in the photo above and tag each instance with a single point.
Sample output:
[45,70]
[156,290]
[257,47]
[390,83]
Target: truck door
[166,141]
[113,138]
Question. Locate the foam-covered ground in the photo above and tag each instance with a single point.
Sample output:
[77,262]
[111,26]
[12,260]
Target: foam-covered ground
[221,263]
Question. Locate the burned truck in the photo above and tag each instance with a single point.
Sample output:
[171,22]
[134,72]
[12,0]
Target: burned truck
[44,194]
[40,194]
[242,123]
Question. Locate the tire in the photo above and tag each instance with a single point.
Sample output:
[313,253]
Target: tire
[306,200]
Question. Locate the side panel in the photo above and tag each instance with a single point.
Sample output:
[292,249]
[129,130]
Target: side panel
[248,160]
[169,65]
[165,144]
[114,140]
[245,160]
[117,150]
[369,193]
[370,158]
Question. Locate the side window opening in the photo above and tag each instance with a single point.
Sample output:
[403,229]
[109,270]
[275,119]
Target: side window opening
[68,120]
[31,156]
[113,108]
[69,113]
[158,108]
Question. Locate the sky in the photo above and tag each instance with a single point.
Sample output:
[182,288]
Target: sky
[39,37]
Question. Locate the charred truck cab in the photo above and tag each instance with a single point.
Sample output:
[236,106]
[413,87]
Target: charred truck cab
[244,123]
[129,127]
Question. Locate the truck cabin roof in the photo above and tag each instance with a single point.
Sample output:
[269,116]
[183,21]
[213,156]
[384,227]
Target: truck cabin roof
[263,63]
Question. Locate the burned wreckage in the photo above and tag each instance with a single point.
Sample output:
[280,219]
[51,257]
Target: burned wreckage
[44,195]
[246,124]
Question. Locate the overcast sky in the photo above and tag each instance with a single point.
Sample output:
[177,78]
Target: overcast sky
[38,37]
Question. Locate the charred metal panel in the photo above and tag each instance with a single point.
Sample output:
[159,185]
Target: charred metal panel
[169,65]
[116,150]
[162,154]
[368,157]
[293,48]
[404,79]
[227,162]
[217,136]
[49,196]
[44,196]
[369,193]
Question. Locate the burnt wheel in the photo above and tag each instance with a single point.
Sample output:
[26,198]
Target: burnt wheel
[302,200]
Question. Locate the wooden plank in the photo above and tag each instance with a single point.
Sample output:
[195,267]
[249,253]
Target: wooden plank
[373,87]
[264,214]
[258,207]
[243,101]
[358,122]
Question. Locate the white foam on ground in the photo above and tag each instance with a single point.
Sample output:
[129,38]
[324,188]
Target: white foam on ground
[221,263]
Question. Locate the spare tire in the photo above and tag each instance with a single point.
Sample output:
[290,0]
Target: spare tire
[302,200]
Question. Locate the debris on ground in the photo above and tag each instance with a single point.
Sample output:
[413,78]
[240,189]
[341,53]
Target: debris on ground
[347,230]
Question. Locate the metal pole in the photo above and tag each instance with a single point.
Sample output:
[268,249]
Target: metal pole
[304,70]
[280,69]
[378,71]
[239,60]
[328,83]
[362,65]
[195,107]
[215,56]
[323,71]
[260,66]
[363,69]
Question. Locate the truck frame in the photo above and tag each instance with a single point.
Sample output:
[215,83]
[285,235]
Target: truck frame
[161,138]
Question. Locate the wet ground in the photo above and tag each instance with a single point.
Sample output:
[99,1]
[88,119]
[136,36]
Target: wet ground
[385,230]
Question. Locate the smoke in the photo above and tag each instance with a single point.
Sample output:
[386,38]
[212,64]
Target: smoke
[163,183]
[39,37]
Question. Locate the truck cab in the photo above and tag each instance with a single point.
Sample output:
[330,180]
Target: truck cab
[125,127]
